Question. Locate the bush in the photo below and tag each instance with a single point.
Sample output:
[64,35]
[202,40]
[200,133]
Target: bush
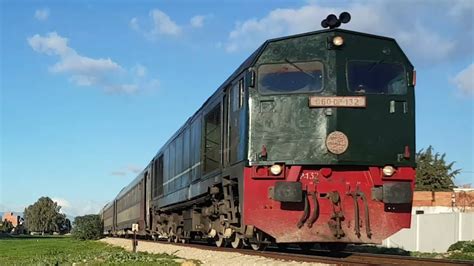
[87,227]
[6,226]
[462,246]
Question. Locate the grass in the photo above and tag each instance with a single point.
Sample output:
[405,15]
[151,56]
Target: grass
[53,250]
[462,250]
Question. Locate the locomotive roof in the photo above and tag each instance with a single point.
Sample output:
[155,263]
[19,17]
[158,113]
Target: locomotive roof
[250,62]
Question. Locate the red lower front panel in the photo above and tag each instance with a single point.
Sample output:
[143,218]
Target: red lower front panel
[331,196]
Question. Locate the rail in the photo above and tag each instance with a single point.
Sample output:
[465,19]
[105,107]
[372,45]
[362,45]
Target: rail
[320,256]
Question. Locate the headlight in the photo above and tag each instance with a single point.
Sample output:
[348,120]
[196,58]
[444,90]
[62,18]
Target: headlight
[388,170]
[276,169]
[338,41]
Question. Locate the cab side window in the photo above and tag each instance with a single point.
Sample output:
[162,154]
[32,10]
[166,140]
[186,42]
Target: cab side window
[212,140]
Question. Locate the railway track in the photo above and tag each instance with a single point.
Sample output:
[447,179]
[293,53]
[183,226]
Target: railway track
[320,256]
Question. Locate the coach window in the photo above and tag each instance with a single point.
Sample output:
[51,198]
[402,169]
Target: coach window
[172,165]
[238,95]
[212,140]
[241,93]
[158,184]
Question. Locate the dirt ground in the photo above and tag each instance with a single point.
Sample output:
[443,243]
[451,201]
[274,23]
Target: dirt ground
[206,257]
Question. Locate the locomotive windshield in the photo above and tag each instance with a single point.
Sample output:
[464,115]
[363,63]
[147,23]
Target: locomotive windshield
[290,77]
[376,77]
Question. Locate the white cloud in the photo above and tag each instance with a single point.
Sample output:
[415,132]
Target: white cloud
[197,21]
[51,44]
[386,18]
[462,10]
[42,14]
[464,80]
[78,208]
[163,24]
[129,170]
[251,33]
[139,70]
[87,71]
[134,169]
[85,66]
[118,173]
[134,24]
[63,203]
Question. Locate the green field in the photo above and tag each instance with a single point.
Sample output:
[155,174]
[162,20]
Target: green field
[51,250]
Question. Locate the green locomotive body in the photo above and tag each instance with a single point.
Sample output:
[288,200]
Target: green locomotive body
[311,139]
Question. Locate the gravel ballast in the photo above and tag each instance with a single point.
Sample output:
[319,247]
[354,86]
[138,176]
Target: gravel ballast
[206,257]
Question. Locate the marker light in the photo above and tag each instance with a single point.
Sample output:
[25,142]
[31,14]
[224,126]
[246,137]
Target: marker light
[413,82]
[276,169]
[388,170]
[338,41]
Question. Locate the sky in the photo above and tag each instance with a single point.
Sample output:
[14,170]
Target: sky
[90,90]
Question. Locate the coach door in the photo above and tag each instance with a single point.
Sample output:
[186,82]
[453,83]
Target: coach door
[236,119]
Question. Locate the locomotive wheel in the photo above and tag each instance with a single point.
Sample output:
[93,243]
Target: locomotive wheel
[220,241]
[237,241]
[171,236]
[178,235]
[257,243]
[210,241]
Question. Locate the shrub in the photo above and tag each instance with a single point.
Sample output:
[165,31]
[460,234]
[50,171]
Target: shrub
[87,227]
[462,246]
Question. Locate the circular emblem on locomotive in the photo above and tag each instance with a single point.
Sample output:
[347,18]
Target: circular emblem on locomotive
[337,142]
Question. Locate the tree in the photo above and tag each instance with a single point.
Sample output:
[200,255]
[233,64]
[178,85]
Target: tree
[65,227]
[433,173]
[6,226]
[87,227]
[43,216]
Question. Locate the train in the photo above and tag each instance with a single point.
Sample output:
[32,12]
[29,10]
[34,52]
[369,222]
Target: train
[310,140]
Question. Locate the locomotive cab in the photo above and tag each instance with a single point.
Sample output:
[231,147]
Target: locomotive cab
[363,88]
[334,110]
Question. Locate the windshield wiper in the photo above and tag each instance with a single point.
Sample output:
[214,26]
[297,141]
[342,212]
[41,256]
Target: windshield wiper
[374,65]
[299,68]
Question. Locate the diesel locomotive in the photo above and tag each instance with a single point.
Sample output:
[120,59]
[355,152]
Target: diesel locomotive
[310,140]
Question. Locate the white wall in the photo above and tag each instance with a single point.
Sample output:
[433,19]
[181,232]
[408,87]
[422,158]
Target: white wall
[434,209]
[433,232]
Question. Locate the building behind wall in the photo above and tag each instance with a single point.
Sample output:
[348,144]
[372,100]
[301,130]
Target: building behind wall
[458,200]
[12,218]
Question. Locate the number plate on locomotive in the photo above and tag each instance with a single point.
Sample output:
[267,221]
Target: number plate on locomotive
[337,101]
